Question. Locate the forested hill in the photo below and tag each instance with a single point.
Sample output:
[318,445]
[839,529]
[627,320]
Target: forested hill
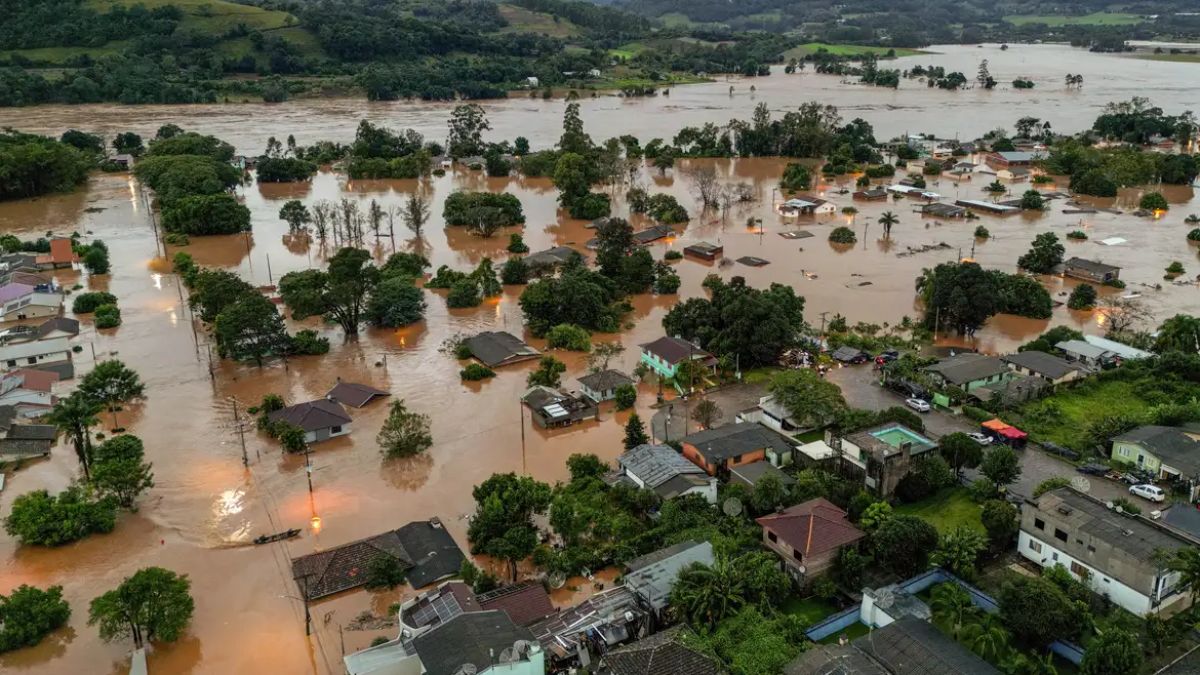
[143,51]
[913,23]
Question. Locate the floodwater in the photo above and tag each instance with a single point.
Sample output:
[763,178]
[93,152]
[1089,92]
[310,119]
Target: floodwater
[206,507]
[912,108]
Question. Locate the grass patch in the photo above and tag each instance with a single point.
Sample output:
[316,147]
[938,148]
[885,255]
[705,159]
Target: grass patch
[521,20]
[1080,406]
[676,20]
[800,51]
[1093,19]
[760,375]
[809,610]
[946,510]
[211,16]
[854,630]
[60,55]
[810,436]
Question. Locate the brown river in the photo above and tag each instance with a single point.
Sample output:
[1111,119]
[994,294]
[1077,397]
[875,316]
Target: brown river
[205,507]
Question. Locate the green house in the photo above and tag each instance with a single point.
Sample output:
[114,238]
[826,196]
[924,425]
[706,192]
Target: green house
[664,355]
[1171,453]
[969,371]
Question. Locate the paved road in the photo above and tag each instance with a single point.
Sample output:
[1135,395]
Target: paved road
[859,385]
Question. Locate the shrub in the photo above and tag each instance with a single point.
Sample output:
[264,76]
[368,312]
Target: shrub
[666,284]
[1078,235]
[625,396]
[309,343]
[981,232]
[842,235]
[464,293]
[514,271]
[176,239]
[1194,235]
[107,316]
[384,572]
[516,243]
[53,520]
[29,614]
[1175,268]
[1154,201]
[86,303]
[677,255]
[475,372]
[976,414]
[570,337]
[1083,297]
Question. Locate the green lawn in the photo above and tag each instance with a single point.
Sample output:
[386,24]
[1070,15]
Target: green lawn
[854,630]
[1177,58]
[946,510]
[800,51]
[676,20]
[211,16]
[1094,19]
[760,375]
[809,610]
[1069,412]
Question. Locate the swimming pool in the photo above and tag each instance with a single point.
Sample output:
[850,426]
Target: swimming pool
[897,436]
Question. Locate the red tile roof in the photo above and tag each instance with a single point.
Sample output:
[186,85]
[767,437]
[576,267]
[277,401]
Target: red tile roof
[62,252]
[37,380]
[525,603]
[816,526]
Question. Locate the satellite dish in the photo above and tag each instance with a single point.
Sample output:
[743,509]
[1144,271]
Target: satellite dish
[509,655]
[467,669]
[1081,484]
[885,598]
[557,580]
[732,506]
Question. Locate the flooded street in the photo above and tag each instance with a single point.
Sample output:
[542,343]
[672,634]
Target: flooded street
[205,507]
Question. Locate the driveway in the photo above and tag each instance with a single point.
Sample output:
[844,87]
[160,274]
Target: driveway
[731,399]
[860,386]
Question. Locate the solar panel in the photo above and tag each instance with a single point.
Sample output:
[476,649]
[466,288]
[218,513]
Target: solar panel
[555,410]
[439,610]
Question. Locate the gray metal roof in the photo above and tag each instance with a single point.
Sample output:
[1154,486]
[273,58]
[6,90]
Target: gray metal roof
[498,348]
[1081,348]
[965,368]
[652,576]
[312,415]
[1093,266]
[1169,444]
[605,380]
[750,474]
[475,638]
[1135,536]
[915,647]
[656,464]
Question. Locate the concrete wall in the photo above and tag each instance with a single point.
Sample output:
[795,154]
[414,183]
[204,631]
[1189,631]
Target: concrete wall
[311,436]
[1132,599]
[1135,454]
[693,455]
[814,565]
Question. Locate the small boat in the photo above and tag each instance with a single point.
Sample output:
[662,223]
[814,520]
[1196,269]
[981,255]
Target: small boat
[278,536]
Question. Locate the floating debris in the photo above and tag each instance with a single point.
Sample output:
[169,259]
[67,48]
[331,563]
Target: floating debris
[1081,210]
[940,246]
[1113,241]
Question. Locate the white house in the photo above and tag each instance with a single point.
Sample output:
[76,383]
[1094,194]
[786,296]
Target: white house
[806,205]
[30,392]
[34,353]
[20,301]
[1113,553]
[321,419]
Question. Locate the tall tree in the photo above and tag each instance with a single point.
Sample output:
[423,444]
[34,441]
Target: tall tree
[1001,466]
[153,604]
[404,433]
[1117,652]
[467,124]
[887,220]
[119,470]
[339,294]
[808,398]
[29,614]
[707,413]
[1044,255]
[635,432]
[1179,333]
[296,214]
[250,329]
[75,415]
[112,383]
[416,213]
[503,524]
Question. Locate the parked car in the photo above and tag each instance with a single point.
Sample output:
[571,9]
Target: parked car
[1093,469]
[917,404]
[1056,449]
[887,357]
[980,438]
[909,390]
[1151,492]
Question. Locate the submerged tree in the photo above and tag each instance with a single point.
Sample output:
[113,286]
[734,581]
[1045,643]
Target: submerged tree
[112,383]
[404,433]
[339,294]
[75,415]
[153,604]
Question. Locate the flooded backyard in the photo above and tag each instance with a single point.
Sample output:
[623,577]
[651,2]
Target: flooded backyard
[206,507]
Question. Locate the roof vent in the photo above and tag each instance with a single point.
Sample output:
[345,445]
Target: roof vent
[1065,510]
[1127,532]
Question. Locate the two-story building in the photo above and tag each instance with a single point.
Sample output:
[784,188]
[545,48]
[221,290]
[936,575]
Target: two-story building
[884,454]
[720,449]
[20,301]
[807,537]
[1171,453]
[664,355]
[1117,555]
[36,353]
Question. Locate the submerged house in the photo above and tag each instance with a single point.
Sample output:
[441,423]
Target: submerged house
[20,301]
[602,386]
[1091,270]
[498,348]
[354,394]
[665,354]
[806,205]
[552,408]
[320,420]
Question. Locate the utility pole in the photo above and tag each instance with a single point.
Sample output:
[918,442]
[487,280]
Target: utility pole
[270,277]
[237,419]
[307,616]
[521,416]
[308,467]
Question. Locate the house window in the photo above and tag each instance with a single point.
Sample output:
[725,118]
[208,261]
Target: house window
[1091,549]
[772,536]
[1039,523]
[797,555]
[336,430]
[12,363]
[1035,546]
[1054,555]
[1079,570]
[32,359]
[1060,535]
[1124,452]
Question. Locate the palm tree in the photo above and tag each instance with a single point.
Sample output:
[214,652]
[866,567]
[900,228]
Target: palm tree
[952,607]
[1019,663]
[707,594]
[887,220]
[74,416]
[987,638]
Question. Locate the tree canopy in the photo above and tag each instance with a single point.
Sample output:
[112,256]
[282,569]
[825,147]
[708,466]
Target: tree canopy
[739,321]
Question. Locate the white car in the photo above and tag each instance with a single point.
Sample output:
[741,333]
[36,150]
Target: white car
[980,438]
[1151,492]
[917,404]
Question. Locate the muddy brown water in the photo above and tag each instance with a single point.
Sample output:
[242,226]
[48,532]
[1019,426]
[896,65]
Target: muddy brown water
[205,507]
